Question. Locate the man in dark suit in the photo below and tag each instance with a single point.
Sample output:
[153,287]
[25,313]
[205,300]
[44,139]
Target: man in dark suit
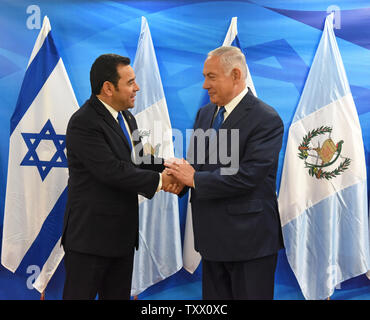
[107,171]
[236,222]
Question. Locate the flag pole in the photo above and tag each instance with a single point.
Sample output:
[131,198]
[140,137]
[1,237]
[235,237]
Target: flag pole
[42,296]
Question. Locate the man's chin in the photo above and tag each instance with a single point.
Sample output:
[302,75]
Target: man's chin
[214,101]
[127,107]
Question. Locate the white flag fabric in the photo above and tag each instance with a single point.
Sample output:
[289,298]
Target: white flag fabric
[159,254]
[37,166]
[191,257]
[323,192]
[368,272]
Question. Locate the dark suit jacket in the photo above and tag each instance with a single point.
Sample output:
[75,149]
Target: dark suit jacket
[235,217]
[101,216]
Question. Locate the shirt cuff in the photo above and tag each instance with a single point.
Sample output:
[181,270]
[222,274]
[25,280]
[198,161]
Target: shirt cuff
[160,183]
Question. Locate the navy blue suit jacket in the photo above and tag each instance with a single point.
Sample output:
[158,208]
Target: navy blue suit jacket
[235,217]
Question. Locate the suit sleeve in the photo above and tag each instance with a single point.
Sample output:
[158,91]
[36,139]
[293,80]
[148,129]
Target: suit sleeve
[86,145]
[260,155]
[153,163]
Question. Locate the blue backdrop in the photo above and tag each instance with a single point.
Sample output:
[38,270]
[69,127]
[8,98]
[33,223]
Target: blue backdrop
[279,37]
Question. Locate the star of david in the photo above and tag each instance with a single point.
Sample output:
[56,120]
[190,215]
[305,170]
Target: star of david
[32,140]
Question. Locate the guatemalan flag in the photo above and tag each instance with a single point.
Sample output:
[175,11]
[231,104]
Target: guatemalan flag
[159,254]
[323,192]
[37,166]
[191,257]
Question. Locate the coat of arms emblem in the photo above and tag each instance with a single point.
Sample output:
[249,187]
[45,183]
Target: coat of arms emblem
[147,147]
[319,158]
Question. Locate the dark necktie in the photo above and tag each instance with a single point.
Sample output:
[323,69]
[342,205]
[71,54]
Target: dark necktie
[124,129]
[217,122]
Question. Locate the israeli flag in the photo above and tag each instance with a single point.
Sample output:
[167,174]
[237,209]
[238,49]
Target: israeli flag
[323,194]
[191,257]
[37,167]
[159,254]
[232,39]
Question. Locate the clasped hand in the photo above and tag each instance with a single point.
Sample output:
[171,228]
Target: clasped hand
[178,173]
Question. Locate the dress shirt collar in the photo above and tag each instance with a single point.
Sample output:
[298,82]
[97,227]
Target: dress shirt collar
[112,111]
[229,107]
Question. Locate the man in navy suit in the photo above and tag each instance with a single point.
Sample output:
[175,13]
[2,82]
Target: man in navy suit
[107,171]
[236,222]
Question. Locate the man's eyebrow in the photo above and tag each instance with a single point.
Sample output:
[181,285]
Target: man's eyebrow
[209,74]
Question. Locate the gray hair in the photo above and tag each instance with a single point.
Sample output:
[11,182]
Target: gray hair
[230,58]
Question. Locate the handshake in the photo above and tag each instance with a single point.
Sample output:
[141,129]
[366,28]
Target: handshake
[178,174]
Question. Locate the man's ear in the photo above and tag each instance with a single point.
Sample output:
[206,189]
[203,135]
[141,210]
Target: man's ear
[236,74]
[107,88]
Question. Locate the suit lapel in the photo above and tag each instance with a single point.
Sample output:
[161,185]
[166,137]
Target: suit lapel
[239,112]
[131,121]
[107,117]
[209,118]
[204,123]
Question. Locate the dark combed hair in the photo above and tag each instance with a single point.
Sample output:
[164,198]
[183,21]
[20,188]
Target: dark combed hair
[105,69]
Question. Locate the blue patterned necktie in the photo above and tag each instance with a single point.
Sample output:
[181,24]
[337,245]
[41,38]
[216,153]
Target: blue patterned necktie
[124,129]
[217,122]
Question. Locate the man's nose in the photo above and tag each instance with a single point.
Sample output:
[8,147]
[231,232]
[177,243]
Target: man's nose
[205,84]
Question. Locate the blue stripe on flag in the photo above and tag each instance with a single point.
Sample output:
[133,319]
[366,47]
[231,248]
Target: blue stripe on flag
[48,236]
[36,75]
[236,43]
[326,236]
